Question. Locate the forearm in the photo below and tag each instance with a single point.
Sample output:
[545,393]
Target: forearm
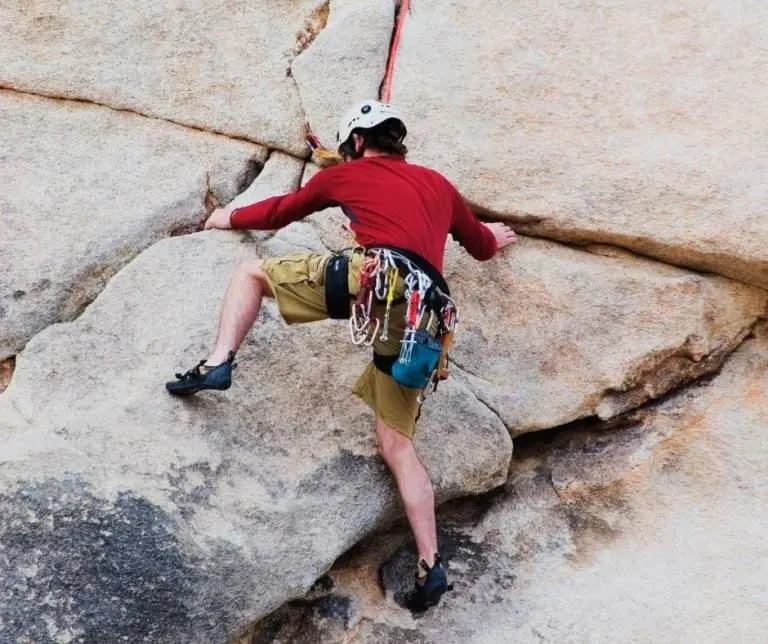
[263,215]
[276,212]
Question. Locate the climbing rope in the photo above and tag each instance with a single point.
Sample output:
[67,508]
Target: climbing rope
[386,85]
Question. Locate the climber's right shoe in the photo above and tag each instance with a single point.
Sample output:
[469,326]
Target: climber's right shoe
[429,588]
[203,377]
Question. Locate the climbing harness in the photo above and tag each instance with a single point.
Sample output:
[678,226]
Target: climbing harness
[430,316]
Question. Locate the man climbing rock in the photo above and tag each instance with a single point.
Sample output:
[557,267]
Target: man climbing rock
[389,288]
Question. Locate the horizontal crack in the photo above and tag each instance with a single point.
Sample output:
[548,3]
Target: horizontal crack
[703,262]
[128,110]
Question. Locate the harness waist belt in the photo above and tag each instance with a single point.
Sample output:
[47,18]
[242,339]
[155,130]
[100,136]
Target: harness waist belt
[423,264]
[337,287]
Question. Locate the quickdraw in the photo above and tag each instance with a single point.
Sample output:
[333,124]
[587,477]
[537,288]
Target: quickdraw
[363,323]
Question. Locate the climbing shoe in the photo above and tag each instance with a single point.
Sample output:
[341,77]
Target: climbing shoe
[429,588]
[203,377]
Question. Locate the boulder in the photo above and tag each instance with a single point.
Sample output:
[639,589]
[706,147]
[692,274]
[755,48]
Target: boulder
[88,188]
[550,334]
[218,66]
[649,530]
[127,513]
[642,125]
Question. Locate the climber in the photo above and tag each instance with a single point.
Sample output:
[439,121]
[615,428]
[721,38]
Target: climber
[404,210]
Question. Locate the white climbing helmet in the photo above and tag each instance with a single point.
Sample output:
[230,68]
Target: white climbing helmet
[365,115]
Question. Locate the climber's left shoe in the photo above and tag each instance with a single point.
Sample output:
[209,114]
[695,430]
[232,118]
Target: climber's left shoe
[203,377]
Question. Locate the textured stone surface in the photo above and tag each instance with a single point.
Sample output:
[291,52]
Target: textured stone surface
[219,65]
[126,515]
[263,486]
[549,334]
[281,173]
[345,64]
[637,124]
[85,190]
[652,530]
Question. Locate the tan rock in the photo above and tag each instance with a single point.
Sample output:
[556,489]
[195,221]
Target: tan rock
[636,124]
[219,66]
[550,334]
[210,512]
[650,532]
[87,189]
[281,174]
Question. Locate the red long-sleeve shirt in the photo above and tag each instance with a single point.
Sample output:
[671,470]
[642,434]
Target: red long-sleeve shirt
[388,201]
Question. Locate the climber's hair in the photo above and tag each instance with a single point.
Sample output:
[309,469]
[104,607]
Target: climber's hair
[386,137]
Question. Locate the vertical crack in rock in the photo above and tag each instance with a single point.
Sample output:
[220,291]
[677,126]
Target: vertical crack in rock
[313,25]
[476,395]
[6,372]
[211,200]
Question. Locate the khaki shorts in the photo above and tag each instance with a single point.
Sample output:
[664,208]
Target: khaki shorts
[298,282]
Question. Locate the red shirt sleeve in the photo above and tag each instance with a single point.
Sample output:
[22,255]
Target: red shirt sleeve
[469,231]
[276,212]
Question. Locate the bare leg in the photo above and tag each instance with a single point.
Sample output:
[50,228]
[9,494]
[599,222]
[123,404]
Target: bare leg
[242,301]
[414,486]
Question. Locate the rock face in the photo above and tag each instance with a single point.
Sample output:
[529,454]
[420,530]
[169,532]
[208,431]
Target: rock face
[550,334]
[88,188]
[572,122]
[128,513]
[635,131]
[220,66]
[655,527]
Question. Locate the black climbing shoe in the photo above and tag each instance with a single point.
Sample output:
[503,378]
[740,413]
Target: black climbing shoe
[429,588]
[202,377]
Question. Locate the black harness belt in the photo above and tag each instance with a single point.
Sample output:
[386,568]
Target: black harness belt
[337,287]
